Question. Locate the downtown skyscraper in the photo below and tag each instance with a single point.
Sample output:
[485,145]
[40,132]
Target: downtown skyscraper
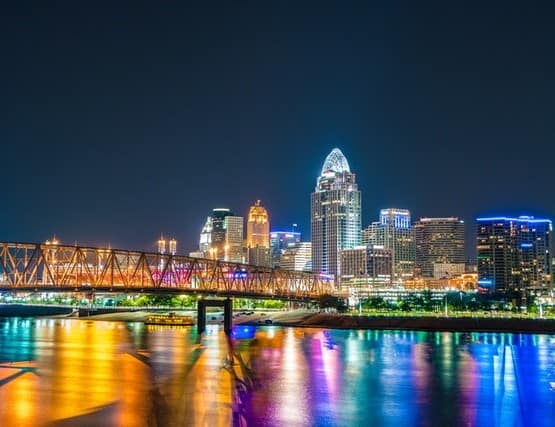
[335,214]
[222,237]
[394,231]
[514,254]
[439,247]
[281,240]
[258,236]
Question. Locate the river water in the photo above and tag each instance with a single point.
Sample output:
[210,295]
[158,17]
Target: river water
[70,372]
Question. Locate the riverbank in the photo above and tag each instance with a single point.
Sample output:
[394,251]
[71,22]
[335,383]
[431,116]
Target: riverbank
[306,318]
[455,324]
[28,310]
[422,323]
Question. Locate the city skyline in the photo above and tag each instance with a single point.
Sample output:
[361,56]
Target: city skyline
[192,245]
[116,131]
[236,213]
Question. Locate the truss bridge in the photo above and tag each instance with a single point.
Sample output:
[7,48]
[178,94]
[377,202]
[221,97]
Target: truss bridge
[54,267]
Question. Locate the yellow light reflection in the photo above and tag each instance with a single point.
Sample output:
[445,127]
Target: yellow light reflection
[19,400]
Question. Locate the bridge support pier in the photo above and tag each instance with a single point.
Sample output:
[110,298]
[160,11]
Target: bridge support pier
[201,313]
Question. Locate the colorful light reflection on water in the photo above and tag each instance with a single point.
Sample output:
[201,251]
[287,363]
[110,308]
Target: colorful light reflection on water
[77,372]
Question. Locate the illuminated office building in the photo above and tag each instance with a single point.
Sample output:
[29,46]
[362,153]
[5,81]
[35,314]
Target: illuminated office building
[335,214]
[233,247]
[258,226]
[206,237]
[258,236]
[218,234]
[297,257]
[439,247]
[222,237]
[514,254]
[366,267]
[161,245]
[166,246]
[281,240]
[394,231]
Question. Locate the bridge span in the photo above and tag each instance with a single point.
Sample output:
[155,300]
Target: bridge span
[64,268]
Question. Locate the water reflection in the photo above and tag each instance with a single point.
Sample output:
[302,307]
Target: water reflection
[65,372]
[409,377]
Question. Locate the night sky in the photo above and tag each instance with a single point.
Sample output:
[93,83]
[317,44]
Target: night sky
[119,123]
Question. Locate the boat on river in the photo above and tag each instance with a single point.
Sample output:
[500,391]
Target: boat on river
[170,319]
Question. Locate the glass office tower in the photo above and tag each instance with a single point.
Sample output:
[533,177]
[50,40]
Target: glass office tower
[514,254]
[335,214]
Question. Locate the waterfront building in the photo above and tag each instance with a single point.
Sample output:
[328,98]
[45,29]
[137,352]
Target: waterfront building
[365,267]
[335,214]
[439,247]
[258,236]
[297,257]
[281,240]
[394,231]
[467,282]
[514,254]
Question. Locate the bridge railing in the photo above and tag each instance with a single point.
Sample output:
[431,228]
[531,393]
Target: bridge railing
[55,266]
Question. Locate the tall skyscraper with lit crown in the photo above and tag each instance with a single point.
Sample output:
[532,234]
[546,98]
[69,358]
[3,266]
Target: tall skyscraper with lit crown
[335,214]
[258,236]
[258,226]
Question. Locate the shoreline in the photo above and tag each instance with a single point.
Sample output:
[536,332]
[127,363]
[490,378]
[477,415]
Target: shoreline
[304,319]
[415,323]
[441,324]
[310,319]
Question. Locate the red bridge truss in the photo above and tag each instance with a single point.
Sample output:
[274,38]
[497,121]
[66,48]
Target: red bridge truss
[55,267]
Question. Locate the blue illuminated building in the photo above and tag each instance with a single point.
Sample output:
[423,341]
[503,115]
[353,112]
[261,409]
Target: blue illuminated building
[281,240]
[514,254]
